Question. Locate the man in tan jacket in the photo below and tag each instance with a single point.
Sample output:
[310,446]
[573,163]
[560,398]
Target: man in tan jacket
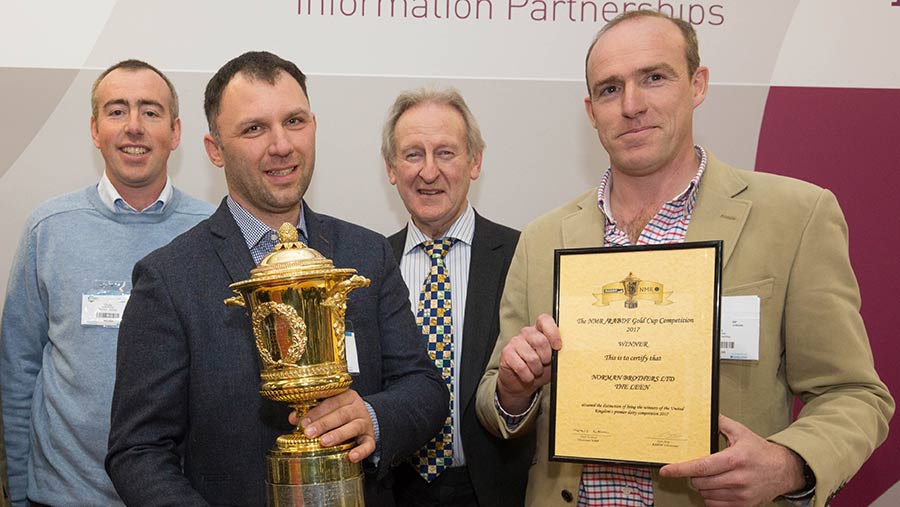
[784,241]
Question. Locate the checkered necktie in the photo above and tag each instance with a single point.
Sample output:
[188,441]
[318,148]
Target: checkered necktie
[433,318]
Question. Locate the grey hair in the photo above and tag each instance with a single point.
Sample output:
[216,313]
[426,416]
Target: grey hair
[412,98]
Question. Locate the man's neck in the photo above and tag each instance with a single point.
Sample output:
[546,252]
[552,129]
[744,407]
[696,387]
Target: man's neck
[140,198]
[437,230]
[274,221]
[635,199]
[432,233]
[630,192]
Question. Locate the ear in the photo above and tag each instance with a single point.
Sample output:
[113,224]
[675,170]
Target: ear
[176,134]
[95,133]
[391,172]
[475,172]
[213,151]
[590,111]
[700,83]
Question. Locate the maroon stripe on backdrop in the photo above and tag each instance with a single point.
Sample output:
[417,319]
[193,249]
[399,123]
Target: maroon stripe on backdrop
[848,140]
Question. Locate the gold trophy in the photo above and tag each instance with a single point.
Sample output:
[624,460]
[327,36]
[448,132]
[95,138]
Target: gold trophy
[631,290]
[297,300]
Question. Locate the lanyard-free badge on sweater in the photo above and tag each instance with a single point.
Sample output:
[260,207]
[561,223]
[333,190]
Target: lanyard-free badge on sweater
[103,303]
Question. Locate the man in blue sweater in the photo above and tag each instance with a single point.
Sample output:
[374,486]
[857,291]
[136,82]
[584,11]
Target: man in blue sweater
[68,286]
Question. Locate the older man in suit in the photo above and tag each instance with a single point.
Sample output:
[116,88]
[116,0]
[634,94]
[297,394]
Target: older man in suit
[188,424]
[432,150]
[785,242]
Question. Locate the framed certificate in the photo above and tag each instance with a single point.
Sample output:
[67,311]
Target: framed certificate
[637,378]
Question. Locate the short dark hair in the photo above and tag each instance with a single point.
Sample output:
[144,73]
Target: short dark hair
[257,65]
[691,45]
[133,65]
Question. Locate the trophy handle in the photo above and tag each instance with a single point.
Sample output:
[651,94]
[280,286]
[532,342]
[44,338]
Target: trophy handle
[337,300]
[337,295]
[235,301]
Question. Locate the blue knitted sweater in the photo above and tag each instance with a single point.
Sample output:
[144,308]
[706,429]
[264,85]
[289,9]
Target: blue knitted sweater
[57,374]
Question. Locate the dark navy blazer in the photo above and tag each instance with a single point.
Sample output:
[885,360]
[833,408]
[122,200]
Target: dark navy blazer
[498,468]
[188,424]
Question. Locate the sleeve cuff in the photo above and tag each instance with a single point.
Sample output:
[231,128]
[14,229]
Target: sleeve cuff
[376,456]
[513,421]
[803,497]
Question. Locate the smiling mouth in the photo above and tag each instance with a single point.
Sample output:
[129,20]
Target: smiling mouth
[134,150]
[281,172]
[426,191]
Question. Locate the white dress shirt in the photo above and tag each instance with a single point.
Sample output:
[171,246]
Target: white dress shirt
[415,265]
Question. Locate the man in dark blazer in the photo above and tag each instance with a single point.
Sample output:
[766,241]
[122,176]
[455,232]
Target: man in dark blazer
[188,424]
[432,149]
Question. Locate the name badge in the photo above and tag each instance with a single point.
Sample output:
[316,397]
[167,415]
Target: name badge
[102,309]
[350,348]
[739,333]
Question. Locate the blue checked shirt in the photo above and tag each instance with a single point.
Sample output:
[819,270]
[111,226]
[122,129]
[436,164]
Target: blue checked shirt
[260,238]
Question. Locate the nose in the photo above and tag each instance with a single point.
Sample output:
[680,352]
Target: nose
[429,171]
[135,125]
[633,103]
[280,145]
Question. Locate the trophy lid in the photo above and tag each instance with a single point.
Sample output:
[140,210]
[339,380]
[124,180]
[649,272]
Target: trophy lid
[291,259]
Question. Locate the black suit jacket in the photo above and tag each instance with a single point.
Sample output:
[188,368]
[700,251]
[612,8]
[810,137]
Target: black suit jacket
[498,468]
[188,424]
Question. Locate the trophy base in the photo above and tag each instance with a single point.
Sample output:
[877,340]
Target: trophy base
[323,477]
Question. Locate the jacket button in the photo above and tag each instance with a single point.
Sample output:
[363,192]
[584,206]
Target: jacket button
[567,495]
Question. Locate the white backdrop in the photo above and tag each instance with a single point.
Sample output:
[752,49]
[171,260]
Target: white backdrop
[523,79]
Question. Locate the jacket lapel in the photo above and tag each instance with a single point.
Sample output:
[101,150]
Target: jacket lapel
[229,244]
[719,213]
[398,242]
[584,228]
[318,233]
[484,279]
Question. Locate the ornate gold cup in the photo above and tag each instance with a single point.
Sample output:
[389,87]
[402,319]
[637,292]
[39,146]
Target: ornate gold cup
[297,300]
[631,290]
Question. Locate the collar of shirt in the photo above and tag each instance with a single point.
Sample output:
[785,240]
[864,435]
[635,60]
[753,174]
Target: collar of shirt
[252,228]
[115,203]
[463,229]
[688,196]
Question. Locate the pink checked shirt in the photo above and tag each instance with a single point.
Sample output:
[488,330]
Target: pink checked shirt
[631,486]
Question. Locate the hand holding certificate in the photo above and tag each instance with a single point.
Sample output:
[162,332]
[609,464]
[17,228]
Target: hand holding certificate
[637,380]
[525,364]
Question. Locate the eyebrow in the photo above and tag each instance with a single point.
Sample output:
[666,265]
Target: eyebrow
[148,102]
[140,103]
[665,67]
[301,111]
